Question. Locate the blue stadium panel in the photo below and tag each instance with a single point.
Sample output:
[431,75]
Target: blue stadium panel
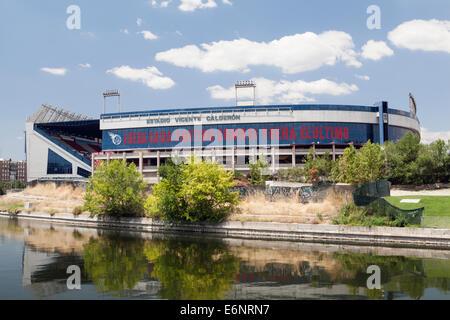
[295,133]
[57,164]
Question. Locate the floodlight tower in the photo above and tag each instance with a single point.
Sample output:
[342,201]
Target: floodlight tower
[243,85]
[110,93]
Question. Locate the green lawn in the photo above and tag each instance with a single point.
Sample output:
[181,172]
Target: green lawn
[434,205]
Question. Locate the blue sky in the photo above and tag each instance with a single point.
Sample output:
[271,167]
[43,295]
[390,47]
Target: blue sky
[189,53]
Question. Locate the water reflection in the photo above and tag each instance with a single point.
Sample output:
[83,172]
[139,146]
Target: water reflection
[145,265]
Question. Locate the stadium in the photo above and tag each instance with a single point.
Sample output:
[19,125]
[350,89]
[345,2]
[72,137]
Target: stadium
[62,146]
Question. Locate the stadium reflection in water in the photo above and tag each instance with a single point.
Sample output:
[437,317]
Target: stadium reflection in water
[34,257]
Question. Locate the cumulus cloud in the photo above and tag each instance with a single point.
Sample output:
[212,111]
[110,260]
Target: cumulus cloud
[293,54]
[124,31]
[375,50]
[55,71]
[362,77]
[85,65]
[227,2]
[269,91]
[161,4]
[139,22]
[192,5]
[427,35]
[149,76]
[148,35]
[430,136]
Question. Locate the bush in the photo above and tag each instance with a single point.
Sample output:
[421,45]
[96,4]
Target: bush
[259,171]
[15,209]
[351,214]
[77,210]
[294,174]
[193,192]
[115,189]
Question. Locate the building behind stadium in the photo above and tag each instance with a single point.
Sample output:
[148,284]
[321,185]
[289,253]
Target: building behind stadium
[65,146]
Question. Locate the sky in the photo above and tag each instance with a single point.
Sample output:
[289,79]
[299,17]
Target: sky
[189,53]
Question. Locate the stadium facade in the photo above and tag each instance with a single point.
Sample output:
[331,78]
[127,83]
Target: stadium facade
[71,148]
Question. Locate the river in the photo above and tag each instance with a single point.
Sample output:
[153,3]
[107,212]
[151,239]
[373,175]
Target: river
[35,257]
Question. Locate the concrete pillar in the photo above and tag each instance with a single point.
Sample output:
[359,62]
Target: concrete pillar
[334,151]
[108,156]
[124,156]
[272,154]
[158,159]
[213,157]
[158,162]
[293,156]
[92,164]
[314,149]
[141,162]
[232,159]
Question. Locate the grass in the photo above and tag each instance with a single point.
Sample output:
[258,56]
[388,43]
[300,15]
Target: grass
[434,205]
[289,209]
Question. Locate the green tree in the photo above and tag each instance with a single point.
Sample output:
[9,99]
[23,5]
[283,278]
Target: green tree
[115,189]
[367,164]
[348,166]
[259,170]
[403,167]
[194,192]
[371,163]
[324,164]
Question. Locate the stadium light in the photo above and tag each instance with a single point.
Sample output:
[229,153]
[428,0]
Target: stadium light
[245,84]
[110,93]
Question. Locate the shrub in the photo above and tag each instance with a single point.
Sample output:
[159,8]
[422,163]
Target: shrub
[115,189]
[193,192]
[351,214]
[15,209]
[77,210]
[259,170]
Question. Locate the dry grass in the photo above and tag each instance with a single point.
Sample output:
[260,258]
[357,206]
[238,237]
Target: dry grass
[51,190]
[47,197]
[257,208]
[6,203]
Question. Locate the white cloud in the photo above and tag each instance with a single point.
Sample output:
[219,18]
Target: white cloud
[148,35]
[429,136]
[85,65]
[269,91]
[375,50]
[125,31]
[293,54]
[149,76]
[179,33]
[192,5]
[227,2]
[55,71]
[162,4]
[427,35]
[139,22]
[362,77]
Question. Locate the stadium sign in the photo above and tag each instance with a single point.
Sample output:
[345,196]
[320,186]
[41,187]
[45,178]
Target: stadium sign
[193,119]
[237,135]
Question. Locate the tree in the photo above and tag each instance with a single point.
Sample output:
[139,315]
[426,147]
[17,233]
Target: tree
[348,167]
[367,165]
[115,189]
[324,164]
[258,170]
[371,163]
[194,192]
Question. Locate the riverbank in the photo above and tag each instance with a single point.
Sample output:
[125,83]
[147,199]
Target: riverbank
[333,234]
